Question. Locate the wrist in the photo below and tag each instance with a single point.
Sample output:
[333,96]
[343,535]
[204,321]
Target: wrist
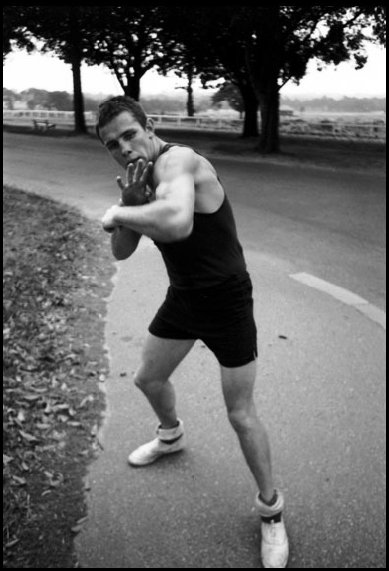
[117,214]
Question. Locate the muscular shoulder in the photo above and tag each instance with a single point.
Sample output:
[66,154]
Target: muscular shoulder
[176,161]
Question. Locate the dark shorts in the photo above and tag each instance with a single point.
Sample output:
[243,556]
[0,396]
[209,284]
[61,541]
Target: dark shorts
[221,316]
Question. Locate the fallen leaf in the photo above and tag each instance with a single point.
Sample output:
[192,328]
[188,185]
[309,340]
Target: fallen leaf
[7,459]
[95,430]
[21,416]
[58,435]
[61,407]
[31,397]
[87,399]
[19,481]
[42,426]
[28,437]
[76,528]
[12,543]
[39,390]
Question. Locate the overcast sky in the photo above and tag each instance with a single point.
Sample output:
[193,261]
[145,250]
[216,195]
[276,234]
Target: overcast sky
[22,71]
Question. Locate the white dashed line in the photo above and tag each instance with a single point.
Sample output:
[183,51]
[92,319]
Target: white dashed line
[345,296]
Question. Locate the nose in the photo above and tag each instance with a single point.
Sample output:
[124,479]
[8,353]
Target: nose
[125,148]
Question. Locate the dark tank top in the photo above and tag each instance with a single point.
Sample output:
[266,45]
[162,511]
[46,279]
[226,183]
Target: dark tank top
[210,255]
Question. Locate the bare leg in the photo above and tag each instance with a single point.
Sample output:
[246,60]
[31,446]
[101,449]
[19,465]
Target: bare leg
[160,358]
[238,386]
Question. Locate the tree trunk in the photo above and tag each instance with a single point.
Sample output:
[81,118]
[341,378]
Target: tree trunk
[250,101]
[78,99]
[263,66]
[270,107]
[190,101]
[132,89]
[76,59]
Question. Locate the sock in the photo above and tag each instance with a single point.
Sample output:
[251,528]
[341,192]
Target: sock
[272,501]
[274,518]
[172,441]
[170,427]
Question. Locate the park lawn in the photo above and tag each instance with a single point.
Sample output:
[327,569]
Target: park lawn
[57,272]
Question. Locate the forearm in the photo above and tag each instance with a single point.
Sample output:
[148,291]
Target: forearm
[157,220]
[124,242]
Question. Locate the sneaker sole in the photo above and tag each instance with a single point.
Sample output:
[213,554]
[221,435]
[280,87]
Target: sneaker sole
[135,464]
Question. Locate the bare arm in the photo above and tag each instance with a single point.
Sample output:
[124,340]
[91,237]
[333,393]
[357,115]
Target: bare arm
[124,241]
[170,217]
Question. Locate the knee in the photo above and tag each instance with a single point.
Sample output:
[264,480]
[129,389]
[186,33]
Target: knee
[241,419]
[142,378]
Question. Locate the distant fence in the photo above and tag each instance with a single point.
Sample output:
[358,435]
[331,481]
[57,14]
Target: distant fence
[288,126]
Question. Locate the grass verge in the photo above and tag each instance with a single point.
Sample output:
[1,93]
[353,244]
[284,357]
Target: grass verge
[57,270]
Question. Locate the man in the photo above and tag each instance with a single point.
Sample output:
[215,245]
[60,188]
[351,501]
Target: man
[173,195]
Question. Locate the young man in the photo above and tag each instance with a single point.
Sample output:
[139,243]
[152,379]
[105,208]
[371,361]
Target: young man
[173,195]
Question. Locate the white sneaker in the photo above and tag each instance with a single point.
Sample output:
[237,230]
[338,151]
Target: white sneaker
[274,544]
[168,441]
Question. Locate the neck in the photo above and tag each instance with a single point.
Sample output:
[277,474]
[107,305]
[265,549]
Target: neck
[158,145]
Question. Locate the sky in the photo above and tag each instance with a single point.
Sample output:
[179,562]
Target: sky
[22,71]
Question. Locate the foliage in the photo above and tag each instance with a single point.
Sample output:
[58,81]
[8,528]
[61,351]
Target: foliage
[260,48]
[257,48]
[230,93]
[126,40]
[62,30]
[15,29]
[53,337]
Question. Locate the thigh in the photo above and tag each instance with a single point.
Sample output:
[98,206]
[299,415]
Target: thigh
[238,385]
[161,356]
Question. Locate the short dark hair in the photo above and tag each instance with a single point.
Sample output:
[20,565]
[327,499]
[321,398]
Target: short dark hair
[112,107]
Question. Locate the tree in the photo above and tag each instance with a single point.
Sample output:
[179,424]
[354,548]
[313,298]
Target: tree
[60,100]
[261,48]
[9,98]
[14,32]
[35,98]
[294,35]
[189,73]
[126,40]
[187,57]
[205,40]
[61,29]
[230,93]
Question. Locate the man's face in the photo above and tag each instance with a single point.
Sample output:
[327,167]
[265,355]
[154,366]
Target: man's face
[126,139]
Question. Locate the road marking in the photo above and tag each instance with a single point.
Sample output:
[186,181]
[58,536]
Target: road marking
[345,296]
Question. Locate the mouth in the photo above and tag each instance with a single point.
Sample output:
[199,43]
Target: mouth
[134,161]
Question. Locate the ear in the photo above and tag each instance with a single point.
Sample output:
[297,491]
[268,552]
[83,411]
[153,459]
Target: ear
[150,128]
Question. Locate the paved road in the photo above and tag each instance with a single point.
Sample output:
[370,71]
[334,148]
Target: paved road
[321,391]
